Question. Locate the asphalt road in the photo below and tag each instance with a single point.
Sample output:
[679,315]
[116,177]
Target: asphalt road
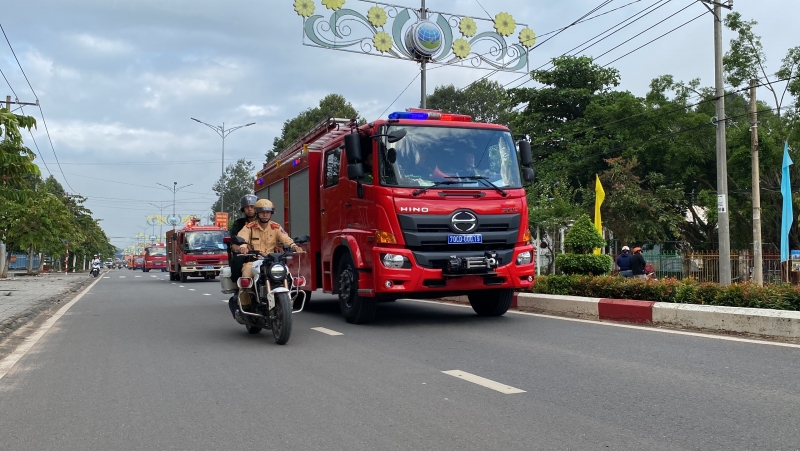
[142,363]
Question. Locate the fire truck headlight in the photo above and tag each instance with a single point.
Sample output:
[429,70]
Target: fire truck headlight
[524,258]
[395,261]
[190,263]
[277,272]
[223,262]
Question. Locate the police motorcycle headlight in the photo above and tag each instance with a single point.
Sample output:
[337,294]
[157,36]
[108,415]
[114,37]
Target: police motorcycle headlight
[277,272]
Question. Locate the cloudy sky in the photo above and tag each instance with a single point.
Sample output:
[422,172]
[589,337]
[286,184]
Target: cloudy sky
[119,80]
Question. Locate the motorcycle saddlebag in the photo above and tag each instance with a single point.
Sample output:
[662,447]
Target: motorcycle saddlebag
[227,285]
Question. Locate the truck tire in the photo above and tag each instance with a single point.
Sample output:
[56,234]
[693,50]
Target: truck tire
[182,275]
[491,302]
[356,309]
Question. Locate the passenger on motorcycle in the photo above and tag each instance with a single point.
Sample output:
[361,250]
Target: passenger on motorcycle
[264,236]
[248,202]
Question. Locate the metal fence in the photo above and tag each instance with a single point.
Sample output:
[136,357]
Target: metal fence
[700,266]
[20,261]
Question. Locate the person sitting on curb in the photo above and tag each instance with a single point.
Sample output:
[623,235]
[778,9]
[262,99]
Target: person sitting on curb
[638,264]
[624,262]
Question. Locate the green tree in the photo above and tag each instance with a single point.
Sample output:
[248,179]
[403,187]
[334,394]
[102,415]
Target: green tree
[485,100]
[332,105]
[16,160]
[238,180]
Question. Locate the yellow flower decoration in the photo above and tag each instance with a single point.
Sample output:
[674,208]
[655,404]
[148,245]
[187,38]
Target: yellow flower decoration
[376,16]
[304,8]
[504,24]
[461,48]
[527,37]
[382,41]
[467,27]
[333,4]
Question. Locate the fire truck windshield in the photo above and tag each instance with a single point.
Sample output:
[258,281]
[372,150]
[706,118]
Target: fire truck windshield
[206,240]
[157,251]
[427,155]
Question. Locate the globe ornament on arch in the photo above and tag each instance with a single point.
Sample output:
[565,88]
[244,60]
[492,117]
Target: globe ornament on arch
[424,39]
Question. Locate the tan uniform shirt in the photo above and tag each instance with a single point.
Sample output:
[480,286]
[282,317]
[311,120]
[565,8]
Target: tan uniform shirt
[265,237]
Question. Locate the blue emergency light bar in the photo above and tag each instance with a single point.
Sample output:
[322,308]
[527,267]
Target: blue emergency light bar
[421,116]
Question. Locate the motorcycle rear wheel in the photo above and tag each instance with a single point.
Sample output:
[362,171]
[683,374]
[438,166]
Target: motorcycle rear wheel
[282,322]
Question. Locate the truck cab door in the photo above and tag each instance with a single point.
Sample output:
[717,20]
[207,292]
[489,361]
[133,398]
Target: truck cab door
[335,198]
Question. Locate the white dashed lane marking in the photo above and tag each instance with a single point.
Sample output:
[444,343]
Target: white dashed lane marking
[137,276]
[482,381]
[191,289]
[206,294]
[326,331]
[106,277]
[181,286]
[121,277]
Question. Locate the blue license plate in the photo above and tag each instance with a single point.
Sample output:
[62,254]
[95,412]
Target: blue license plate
[208,267]
[474,238]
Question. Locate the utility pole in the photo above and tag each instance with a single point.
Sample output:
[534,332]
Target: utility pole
[174,189]
[423,103]
[758,275]
[723,223]
[161,219]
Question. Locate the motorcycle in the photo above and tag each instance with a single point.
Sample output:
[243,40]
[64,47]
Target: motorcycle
[95,269]
[273,291]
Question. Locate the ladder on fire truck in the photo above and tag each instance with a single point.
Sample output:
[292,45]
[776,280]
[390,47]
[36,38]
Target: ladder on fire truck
[314,140]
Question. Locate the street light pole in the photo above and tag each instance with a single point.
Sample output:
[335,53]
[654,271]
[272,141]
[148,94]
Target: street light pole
[174,190]
[161,215]
[222,132]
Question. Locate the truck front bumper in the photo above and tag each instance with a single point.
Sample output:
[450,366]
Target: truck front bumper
[416,279]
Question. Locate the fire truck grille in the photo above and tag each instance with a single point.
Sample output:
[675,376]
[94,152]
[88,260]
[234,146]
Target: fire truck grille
[426,235]
[208,261]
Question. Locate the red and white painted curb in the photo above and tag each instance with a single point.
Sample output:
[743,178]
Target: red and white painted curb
[765,322]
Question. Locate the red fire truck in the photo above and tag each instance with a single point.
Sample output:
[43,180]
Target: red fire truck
[196,251]
[422,205]
[155,257]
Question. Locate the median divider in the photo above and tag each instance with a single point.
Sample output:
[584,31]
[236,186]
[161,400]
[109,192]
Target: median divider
[753,321]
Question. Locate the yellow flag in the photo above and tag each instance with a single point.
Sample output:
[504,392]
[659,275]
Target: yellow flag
[600,196]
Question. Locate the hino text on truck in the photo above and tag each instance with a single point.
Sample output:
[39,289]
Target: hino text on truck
[423,205]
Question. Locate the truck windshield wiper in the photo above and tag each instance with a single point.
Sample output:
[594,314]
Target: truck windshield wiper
[482,179]
[443,182]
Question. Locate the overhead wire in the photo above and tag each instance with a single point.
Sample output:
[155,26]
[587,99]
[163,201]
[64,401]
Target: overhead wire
[38,103]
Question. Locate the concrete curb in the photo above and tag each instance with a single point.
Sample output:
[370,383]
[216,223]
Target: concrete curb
[761,322]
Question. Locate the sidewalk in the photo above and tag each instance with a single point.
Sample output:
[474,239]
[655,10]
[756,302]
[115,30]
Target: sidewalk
[760,323]
[22,298]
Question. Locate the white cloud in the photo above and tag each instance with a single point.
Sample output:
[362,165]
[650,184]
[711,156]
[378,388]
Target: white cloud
[103,45]
[260,110]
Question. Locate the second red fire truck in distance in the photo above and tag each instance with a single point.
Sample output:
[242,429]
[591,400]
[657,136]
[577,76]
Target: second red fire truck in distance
[422,205]
[155,257]
[196,251]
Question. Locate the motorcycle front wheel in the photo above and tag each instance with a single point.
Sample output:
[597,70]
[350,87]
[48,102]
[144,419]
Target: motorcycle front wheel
[282,320]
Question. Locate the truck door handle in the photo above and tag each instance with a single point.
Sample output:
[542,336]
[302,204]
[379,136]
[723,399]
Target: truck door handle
[322,210]
[348,204]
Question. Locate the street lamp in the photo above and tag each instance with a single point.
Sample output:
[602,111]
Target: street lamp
[161,217]
[222,132]
[174,190]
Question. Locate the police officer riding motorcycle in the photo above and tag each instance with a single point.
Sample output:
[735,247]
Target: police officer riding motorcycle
[266,288]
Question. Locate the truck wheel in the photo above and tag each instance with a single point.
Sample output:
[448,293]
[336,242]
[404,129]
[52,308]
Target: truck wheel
[182,275]
[491,302]
[356,309]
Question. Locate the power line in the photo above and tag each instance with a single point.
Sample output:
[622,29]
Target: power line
[41,111]
[398,96]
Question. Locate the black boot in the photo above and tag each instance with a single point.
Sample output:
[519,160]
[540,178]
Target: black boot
[233,304]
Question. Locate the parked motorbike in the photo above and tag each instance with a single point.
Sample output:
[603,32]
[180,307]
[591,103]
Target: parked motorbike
[273,291]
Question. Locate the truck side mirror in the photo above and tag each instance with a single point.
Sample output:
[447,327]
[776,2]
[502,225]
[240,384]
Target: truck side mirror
[352,149]
[525,153]
[355,171]
[527,174]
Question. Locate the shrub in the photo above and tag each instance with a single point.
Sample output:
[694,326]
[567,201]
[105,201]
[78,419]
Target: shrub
[581,240]
[588,264]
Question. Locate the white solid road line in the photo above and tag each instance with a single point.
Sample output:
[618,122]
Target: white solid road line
[482,381]
[7,363]
[631,326]
[326,331]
